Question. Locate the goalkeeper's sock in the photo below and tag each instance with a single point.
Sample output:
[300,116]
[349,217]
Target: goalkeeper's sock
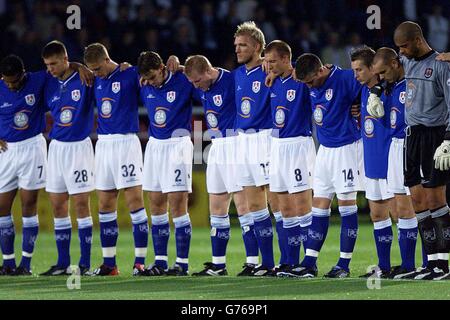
[183,230]
[63,234]
[282,240]
[383,240]
[349,233]
[316,236]
[220,234]
[109,232]
[249,237]
[140,235]
[160,237]
[85,237]
[407,238]
[264,236]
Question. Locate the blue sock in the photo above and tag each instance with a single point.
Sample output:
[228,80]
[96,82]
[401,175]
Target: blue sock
[109,232]
[292,230]
[160,237]
[383,240]
[29,236]
[305,223]
[316,236]
[63,234]
[264,236]
[282,240]
[7,235]
[407,238]
[349,233]
[183,231]
[249,237]
[85,236]
[220,234]
[140,235]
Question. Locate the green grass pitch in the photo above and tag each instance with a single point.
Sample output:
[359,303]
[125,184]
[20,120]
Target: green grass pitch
[125,286]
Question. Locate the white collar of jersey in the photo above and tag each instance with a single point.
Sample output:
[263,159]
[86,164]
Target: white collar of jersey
[248,72]
[285,79]
[114,72]
[168,79]
[68,79]
[218,78]
[400,82]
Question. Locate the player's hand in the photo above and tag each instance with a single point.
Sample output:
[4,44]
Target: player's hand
[265,66]
[355,110]
[442,156]
[173,64]
[3,146]
[143,82]
[270,78]
[124,66]
[444,56]
[86,75]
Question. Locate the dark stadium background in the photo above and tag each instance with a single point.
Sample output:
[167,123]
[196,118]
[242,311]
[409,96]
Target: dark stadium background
[328,28]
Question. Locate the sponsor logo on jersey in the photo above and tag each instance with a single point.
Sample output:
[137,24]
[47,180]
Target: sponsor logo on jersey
[66,116]
[217,99]
[21,120]
[115,87]
[290,95]
[280,117]
[318,115]
[171,96]
[369,127]
[393,117]
[245,107]
[212,120]
[256,86]
[160,117]
[76,95]
[106,108]
[30,99]
[329,94]
[428,72]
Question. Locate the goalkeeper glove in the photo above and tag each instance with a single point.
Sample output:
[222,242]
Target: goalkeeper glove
[442,154]
[374,104]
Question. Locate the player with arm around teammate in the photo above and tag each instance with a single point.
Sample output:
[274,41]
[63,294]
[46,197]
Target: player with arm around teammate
[118,156]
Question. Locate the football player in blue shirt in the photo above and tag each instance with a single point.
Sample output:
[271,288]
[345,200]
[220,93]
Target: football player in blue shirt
[215,86]
[376,135]
[339,167]
[293,152]
[70,157]
[387,66]
[168,159]
[118,155]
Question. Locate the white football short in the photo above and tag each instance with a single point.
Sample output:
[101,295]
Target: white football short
[168,165]
[221,171]
[70,167]
[24,165]
[395,175]
[377,189]
[254,158]
[292,164]
[339,170]
[118,161]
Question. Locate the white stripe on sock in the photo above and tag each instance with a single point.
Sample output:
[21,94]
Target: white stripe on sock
[164,258]
[27,254]
[109,252]
[346,255]
[181,260]
[432,257]
[253,260]
[9,256]
[443,256]
[312,253]
[219,260]
[140,252]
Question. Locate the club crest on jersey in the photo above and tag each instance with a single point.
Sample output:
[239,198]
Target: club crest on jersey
[402,97]
[212,120]
[115,87]
[217,100]
[290,95]
[329,94]
[428,72]
[256,86]
[30,99]
[369,127]
[76,95]
[171,95]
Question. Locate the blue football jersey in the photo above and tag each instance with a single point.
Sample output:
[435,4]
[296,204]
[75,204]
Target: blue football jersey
[396,103]
[376,135]
[252,99]
[219,106]
[331,109]
[22,113]
[169,107]
[72,108]
[291,108]
[116,97]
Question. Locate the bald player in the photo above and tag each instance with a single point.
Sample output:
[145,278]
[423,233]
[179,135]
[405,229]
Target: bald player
[427,144]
